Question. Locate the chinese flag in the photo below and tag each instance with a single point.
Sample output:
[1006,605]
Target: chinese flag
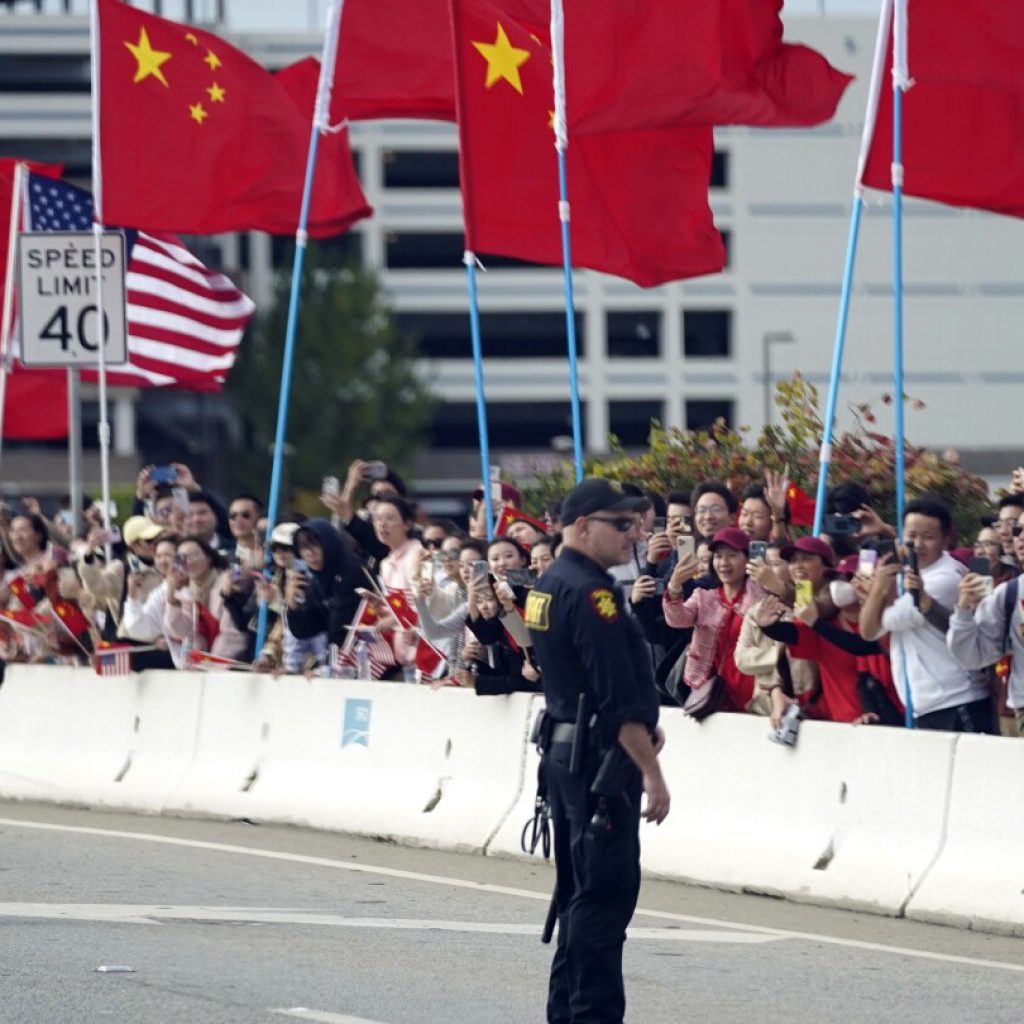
[197,137]
[404,611]
[70,615]
[207,626]
[748,75]
[801,506]
[963,115]
[36,403]
[429,660]
[639,199]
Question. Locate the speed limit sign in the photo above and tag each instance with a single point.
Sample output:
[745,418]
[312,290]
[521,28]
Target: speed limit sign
[57,297]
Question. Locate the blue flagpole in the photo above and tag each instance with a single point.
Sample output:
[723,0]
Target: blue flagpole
[825,458]
[570,316]
[900,81]
[561,145]
[481,405]
[320,119]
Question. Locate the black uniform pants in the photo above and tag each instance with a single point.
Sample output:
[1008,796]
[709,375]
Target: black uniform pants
[598,876]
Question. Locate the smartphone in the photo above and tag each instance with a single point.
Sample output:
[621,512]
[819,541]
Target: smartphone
[180,496]
[758,549]
[163,475]
[910,559]
[804,594]
[480,569]
[300,566]
[376,470]
[839,526]
[867,559]
[111,508]
[659,524]
[426,571]
[521,578]
[981,569]
[180,564]
[686,547]
[331,486]
[659,587]
[134,565]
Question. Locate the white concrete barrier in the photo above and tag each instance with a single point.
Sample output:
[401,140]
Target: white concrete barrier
[978,879]
[438,768]
[851,816]
[70,736]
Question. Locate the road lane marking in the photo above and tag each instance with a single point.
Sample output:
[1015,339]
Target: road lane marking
[322,1016]
[146,913]
[501,890]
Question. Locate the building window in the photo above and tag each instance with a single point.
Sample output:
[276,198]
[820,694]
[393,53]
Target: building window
[424,250]
[630,422]
[720,169]
[335,252]
[502,335]
[511,426]
[44,73]
[634,335]
[701,413]
[727,243]
[707,333]
[421,168]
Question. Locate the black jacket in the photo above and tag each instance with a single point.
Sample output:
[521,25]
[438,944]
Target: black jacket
[331,598]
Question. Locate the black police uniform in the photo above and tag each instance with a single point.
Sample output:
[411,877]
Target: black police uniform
[585,642]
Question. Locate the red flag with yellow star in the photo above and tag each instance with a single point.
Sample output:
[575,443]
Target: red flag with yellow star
[403,609]
[801,506]
[197,137]
[638,199]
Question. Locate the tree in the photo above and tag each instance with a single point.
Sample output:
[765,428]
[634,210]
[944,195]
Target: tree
[354,390]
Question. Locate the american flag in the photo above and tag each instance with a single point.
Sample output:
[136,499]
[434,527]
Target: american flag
[185,322]
[115,661]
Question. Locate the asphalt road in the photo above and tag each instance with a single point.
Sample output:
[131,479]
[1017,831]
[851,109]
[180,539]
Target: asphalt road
[228,922]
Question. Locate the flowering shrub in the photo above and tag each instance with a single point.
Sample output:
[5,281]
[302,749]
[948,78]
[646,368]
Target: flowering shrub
[679,458]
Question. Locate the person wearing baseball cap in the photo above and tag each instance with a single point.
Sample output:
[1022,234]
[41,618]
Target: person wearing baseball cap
[600,695]
[715,617]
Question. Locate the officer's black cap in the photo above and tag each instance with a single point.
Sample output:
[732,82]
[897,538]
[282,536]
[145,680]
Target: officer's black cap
[598,495]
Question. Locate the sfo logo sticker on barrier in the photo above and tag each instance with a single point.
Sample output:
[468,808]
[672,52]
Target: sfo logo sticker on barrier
[355,730]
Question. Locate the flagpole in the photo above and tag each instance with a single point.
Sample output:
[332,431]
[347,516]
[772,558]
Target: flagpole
[97,231]
[561,145]
[871,114]
[469,259]
[900,83]
[6,317]
[321,121]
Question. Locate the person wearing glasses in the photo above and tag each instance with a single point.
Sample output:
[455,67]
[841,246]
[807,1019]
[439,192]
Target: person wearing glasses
[243,514]
[714,507]
[597,679]
[989,545]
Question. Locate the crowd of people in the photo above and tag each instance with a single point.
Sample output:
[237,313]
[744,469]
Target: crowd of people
[740,613]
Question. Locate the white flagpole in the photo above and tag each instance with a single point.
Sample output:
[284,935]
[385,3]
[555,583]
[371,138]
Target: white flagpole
[97,229]
[7,317]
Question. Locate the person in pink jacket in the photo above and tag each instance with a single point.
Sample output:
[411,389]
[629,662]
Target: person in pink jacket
[715,617]
[195,615]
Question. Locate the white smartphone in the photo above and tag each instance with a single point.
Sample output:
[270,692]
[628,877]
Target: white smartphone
[686,546]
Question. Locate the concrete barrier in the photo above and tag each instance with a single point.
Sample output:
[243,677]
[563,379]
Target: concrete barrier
[70,736]
[851,816]
[438,768]
[978,880]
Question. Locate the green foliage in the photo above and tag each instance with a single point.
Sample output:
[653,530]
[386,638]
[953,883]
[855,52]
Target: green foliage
[354,392]
[678,459]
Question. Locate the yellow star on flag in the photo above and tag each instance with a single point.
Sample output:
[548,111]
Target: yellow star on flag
[217,93]
[212,59]
[149,61]
[192,38]
[198,114]
[503,60]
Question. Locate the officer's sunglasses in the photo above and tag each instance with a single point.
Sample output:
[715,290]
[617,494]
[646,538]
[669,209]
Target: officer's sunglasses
[621,523]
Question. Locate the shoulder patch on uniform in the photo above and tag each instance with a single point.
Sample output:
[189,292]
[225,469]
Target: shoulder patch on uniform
[535,614]
[604,604]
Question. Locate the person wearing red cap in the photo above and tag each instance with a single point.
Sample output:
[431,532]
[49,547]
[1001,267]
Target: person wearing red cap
[715,617]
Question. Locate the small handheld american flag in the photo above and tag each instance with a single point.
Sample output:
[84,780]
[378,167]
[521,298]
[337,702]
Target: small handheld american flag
[114,661]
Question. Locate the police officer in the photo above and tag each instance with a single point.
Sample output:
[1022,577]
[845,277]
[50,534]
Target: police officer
[586,644]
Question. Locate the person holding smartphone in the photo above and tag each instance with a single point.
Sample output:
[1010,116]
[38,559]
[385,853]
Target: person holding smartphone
[942,693]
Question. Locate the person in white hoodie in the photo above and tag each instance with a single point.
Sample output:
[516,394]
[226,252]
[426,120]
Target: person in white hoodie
[943,694]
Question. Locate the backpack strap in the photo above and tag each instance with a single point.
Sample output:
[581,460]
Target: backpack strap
[1009,601]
